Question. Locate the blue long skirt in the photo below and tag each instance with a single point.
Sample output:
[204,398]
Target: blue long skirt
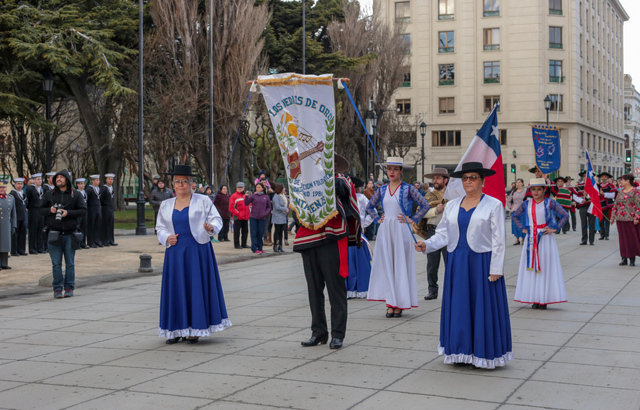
[191,301]
[359,271]
[474,324]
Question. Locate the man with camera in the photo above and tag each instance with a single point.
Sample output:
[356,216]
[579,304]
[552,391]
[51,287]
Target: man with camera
[62,208]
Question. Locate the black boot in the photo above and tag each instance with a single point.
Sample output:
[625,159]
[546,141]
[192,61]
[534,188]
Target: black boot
[632,261]
[624,262]
[275,248]
[280,249]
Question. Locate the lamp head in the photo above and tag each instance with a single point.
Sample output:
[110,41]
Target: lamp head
[547,103]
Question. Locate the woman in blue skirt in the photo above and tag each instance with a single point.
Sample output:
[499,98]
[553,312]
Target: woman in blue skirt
[474,324]
[191,302]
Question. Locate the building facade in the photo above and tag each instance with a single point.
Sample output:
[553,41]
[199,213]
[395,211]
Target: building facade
[632,121]
[466,55]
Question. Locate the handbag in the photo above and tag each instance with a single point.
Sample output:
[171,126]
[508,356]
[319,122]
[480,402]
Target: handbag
[53,238]
[76,239]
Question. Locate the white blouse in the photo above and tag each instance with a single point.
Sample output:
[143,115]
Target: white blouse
[486,232]
[201,210]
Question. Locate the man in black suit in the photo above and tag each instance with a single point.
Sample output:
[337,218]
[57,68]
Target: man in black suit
[35,193]
[82,220]
[106,200]
[94,219]
[19,240]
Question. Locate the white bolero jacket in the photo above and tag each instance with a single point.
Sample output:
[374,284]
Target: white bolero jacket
[199,207]
[486,232]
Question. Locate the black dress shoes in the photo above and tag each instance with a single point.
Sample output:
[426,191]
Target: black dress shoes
[624,262]
[113,244]
[94,246]
[583,243]
[314,341]
[335,343]
[5,267]
[632,262]
[431,296]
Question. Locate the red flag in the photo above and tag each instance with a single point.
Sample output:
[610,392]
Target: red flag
[591,189]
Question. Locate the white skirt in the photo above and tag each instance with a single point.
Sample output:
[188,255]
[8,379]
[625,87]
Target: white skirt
[547,286]
[393,270]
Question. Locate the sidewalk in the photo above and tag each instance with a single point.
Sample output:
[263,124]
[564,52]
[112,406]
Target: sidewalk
[99,349]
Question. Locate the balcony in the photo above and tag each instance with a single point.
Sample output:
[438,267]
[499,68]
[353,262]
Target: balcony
[492,80]
[556,79]
[555,45]
[558,13]
[491,14]
[406,83]
[446,49]
[403,20]
[446,82]
[492,47]
[445,17]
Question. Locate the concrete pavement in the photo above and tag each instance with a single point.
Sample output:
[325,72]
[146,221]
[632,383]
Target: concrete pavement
[99,349]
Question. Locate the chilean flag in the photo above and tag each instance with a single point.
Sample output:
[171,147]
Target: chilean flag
[591,189]
[484,148]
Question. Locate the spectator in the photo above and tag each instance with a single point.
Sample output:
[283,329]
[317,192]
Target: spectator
[222,205]
[156,178]
[280,207]
[260,209]
[62,207]
[418,186]
[511,188]
[370,189]
[159,194]
[262,178]
[241,213]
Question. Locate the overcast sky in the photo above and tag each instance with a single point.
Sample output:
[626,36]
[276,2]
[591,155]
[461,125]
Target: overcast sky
[631,38]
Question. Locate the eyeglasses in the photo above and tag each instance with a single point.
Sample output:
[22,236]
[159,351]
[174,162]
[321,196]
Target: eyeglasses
[183,182]
[472,178]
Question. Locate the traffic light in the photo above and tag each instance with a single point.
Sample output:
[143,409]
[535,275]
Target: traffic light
[628,156]
[513,168]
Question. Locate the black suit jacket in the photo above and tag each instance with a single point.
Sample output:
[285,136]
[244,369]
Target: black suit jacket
[93,201]
[21,206]
[33,198]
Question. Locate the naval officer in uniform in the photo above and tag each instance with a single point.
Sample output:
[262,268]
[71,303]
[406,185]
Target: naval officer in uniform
[106,200]
[94,215]
[19,240]
[35,193]
[8,223]
[82,220]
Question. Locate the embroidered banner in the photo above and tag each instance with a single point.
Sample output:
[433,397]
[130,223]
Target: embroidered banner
[302,111]
[546,143]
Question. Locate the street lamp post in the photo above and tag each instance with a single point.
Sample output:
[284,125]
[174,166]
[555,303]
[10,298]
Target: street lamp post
[21,148]
[212,173]
[141,229]
[78,149]
[47,87]
[374,125]
[423,131]
[547,106]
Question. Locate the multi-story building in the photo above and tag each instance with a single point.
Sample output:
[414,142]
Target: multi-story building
[465,55]
[632,121]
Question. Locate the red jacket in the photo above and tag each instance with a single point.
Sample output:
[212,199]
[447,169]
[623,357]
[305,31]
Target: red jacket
[238,208]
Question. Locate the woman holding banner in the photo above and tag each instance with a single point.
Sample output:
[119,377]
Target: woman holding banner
[393,271]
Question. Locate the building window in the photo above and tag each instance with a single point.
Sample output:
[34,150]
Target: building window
[406,81]
[588,141]
[503,137]
[403,13]
[556,102]
[491,72]
[405,40]
[555,71]
[491,39]
[447,74]
[491,8]
[403,107]
[447,43]
[582,139]
[555,37]
[445,9]
[445,139]
[490,101]
[447,105]
[555,7]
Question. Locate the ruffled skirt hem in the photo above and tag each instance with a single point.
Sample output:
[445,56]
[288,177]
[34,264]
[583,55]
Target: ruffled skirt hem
[356,295]
[189,332]
[476,361]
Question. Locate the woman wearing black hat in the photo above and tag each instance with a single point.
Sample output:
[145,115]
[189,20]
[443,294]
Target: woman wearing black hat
[191,302]
[474,325]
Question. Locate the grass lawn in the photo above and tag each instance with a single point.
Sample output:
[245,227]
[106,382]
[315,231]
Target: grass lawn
[128,219]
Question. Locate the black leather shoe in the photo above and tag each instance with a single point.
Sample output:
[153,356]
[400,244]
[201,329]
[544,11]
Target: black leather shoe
[601,238]
[535,306]
[543,307]
[113,244]
[15,254]
[583,243]
[93,246]
[314,341]
[335,343]
[174,340]
[237,247]
[624,262]
[100,246]
[246,247]
[632,262]
[431,296]
[9,267]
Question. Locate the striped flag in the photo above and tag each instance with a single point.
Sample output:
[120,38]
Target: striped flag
[591,189]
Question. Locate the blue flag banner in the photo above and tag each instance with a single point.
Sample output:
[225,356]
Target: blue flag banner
[546,143]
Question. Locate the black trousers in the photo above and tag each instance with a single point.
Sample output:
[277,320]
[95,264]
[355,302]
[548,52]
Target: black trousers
[82,222]
[107,226]
[322,266]
[19,239]
[4,259]
[278,233]
[240,227]
[94,224]
[433,263]
[574,225]
[605,225]
[36,225]
[223,235]
[590,220]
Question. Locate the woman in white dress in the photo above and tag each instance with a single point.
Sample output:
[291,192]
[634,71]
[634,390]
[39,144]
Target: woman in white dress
[393,271]
[540,280]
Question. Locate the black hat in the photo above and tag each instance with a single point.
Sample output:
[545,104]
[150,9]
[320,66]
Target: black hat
[562,178]
[340,164]
[605,174]
[182,170]
[357,182]
[582,173]
[473,167]
[533,169]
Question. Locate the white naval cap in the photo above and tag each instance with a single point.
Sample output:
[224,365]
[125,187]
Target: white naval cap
[109,175]
[80,180]
[18,180]
[50,174]
[94,176]
[38,175]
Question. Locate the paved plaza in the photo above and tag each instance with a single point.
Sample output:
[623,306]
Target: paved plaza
[100,349]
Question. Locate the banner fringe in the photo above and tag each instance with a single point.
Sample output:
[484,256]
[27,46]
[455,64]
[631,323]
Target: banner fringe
[296,79]
[314,227]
